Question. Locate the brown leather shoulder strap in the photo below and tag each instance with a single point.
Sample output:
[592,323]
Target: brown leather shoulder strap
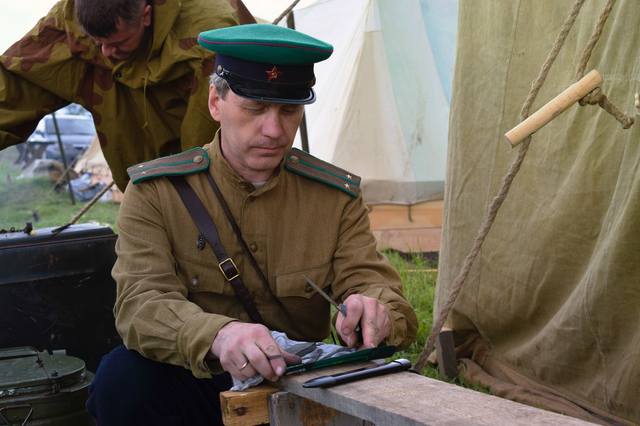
[208,229]
[243,244]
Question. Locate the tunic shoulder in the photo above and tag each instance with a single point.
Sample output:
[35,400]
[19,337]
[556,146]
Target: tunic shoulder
[308,166]
[191,161]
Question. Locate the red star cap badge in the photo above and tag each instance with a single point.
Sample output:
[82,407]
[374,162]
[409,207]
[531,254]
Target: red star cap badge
[273,73]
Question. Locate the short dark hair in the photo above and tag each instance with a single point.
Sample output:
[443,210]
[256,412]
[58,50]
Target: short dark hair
[98,17]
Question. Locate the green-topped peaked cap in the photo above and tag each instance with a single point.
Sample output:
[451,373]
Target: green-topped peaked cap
[266,43]
[267,62]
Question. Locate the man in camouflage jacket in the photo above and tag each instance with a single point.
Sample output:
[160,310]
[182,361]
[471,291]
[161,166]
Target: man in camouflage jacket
[146,102]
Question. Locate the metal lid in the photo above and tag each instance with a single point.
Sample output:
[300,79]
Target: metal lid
[25,371]
[16,239]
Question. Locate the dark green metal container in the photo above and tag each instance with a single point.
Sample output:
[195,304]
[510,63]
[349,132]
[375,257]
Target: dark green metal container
[56,291]
[38,388]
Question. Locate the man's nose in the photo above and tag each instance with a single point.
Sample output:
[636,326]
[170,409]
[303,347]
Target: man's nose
[272,125]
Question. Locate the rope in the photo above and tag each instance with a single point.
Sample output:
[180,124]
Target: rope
[596,97]
[285,12]
[497,201]
[595,36]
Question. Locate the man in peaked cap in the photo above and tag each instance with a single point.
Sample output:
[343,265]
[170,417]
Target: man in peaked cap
[188,318]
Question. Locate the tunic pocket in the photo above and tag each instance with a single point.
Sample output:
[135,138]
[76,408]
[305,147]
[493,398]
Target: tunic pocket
[202,275]
[310,310]
[294,284]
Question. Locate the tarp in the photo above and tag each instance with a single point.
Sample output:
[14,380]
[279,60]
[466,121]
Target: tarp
[93,163]
[383,96]
[554,297]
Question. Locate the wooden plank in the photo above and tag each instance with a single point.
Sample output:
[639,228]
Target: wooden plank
[246,408]
[408,399]
[392,216]
[424,240]
[287,409]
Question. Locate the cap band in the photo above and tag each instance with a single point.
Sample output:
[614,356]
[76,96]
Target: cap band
[274,83]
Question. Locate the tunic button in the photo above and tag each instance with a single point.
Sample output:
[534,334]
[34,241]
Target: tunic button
[118,75]
[308,288]
[197,159]
[194,281]
[294,159]
[253,247]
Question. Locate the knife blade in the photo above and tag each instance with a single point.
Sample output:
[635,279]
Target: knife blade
[341,307]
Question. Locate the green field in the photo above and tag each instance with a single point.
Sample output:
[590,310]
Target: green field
[20,198]
[35,200]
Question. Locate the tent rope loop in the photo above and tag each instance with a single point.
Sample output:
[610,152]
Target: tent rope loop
[595,97]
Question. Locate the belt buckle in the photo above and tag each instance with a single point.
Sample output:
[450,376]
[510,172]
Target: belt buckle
[237,274]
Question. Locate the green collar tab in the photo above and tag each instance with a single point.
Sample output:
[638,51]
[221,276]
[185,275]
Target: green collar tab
[305,164]
[185,163]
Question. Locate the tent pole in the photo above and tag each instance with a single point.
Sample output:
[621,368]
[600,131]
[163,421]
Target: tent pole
[64,156]
[304,136]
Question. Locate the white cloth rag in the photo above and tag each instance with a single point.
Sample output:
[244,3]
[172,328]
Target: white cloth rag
[308,351]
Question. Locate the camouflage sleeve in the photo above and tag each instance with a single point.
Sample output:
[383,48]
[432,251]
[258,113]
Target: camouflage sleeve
[197,120]
[360,269]
[197,126]
[34,74]
[22,105]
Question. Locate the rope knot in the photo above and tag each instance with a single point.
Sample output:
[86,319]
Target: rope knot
[593,98]
[596,97]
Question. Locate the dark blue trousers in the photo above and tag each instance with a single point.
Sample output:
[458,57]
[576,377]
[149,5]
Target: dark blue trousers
[129,389]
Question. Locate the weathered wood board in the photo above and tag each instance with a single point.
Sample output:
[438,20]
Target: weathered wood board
[408,399]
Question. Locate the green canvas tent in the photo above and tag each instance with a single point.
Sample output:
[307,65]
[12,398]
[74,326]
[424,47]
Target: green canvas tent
[551,309]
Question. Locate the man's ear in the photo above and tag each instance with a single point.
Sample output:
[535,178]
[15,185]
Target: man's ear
[214,103]
[146,15]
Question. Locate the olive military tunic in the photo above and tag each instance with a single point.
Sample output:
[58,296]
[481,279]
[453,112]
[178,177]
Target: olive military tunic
[172,298]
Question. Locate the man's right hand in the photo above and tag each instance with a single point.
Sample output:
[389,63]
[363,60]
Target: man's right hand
[245,350]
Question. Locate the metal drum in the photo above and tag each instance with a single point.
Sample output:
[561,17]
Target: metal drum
[38,388]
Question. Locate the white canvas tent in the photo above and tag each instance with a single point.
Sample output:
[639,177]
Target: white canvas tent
[93,162]
[383,96]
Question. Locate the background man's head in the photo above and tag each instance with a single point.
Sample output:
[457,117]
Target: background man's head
[117,26]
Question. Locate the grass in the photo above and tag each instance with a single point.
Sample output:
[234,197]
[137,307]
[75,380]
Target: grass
[419,276]
[34,200]
[21,198]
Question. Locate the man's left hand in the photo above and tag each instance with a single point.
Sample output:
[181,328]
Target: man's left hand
[372,317]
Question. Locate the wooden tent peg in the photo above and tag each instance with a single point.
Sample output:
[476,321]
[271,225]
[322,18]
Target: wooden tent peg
[554,107]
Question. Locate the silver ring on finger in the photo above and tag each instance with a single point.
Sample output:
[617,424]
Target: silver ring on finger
[243,365]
